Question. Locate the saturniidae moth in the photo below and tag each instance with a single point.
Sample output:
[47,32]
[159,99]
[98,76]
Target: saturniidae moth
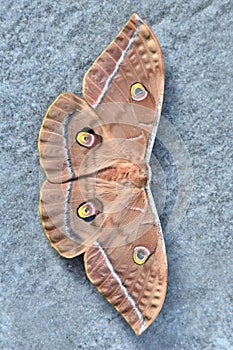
[95,152]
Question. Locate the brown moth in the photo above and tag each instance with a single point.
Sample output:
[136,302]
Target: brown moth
[95,152]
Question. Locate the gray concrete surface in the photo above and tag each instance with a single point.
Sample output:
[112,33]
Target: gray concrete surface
[45,49]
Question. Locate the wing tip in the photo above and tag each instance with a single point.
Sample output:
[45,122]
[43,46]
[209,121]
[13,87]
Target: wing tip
[135,17]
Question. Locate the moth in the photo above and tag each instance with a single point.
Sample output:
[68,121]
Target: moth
[95,153]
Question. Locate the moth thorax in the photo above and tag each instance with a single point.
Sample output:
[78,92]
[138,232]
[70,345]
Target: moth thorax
[133,173]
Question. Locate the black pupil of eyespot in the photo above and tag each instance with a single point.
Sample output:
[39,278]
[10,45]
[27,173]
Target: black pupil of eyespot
[138,91]
[86,210]
[86,138]
[140,255]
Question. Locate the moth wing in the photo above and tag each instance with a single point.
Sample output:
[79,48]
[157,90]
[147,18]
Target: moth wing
[134,56]
[64,159]
[115,223]
[136,291]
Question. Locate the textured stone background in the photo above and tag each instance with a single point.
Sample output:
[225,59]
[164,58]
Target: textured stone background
[45,49]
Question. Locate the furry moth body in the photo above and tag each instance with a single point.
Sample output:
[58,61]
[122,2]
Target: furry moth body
[95,152]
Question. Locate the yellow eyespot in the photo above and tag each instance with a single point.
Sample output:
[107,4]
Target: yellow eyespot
[87,211]
[85,138]
[138,92]
[140,255]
